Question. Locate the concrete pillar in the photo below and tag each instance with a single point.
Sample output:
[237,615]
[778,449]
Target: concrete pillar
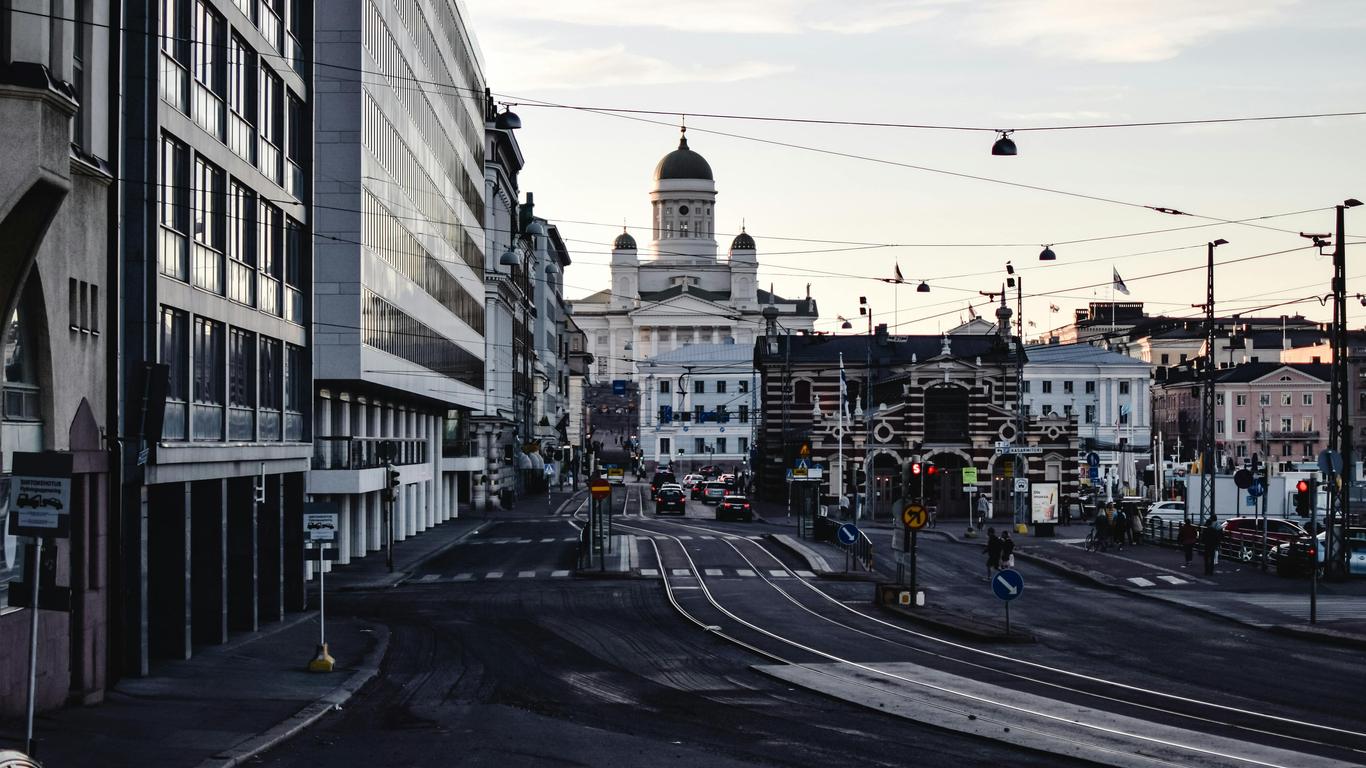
[359,526]
[654,341]
[209,561]
[168,571]
[270,557]
[243,555]
[435,509]
[715,335]
[412,512]
[374,522]
[293,534]
[343,544]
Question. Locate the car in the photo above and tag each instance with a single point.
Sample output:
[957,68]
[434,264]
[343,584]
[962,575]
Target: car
[695,489]
[729,480]
[713,491]
[1174,511]
[659,479]
[690,479]
[736,507]
[1293,557]
[711,470]
[1242,536]
[670,499]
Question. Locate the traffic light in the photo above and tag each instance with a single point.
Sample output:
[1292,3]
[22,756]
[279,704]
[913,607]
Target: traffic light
[391,481]
[931,469]
[1303,503]
[915,468]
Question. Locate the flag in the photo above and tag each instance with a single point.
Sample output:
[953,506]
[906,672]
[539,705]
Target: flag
[1053,308]
[1119,283]
[844,388]
[972,312]
[899,278]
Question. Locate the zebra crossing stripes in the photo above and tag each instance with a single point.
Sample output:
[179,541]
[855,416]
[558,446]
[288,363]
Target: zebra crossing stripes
[746,572]
[1139,581]
[778,573]
[526,574]
[713,571]
[430,577]
[1173,579]
[462,577]
[681,572]
[494,575]
[651,572]
[547,541]
[559,574]
[805,574]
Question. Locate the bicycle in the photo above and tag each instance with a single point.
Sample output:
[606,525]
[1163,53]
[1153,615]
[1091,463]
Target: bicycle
[1093,543]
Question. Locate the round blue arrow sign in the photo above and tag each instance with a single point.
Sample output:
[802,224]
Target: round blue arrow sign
[1008,584]
[847,533]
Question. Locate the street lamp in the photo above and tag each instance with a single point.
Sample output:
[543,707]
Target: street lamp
[1047,254]
[1004,145]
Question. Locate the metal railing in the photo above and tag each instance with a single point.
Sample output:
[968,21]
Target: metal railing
[365,452]
[860,553]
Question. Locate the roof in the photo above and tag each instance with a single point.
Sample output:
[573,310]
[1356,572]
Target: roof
[683,163]
[1241,374]
[1080,353]
[704,353]
[742,241]
[624,241]
[890,350]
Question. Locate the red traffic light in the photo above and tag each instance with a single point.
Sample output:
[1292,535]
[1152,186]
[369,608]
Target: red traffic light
[931,469]
[915,467]
[1302,486]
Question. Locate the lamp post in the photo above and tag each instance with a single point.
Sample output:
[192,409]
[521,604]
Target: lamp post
[1207,466]
[1340,429]
[1017,282]
[866,310]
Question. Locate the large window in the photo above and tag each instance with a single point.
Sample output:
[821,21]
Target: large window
[296,139]
[241,244]
[271,394]
[175,353]
[207,219]
[207,413]
[241,385]
[175,209]
[294,271]
[269,123]
[175,54]
[241,93]
[20,369]
[269,252]
[207,68]
[389,329]
[296,391]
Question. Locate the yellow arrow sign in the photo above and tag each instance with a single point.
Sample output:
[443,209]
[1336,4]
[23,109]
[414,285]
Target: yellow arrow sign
[915,516]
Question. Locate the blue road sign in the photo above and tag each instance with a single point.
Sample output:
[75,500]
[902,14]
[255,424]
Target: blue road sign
[1093,472]
[1008,584]
[619,386]
[1256,489]
[1093,459]
[847,533]
[1251,500]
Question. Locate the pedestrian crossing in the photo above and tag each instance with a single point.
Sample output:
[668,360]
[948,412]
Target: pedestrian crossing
[515,540]
[467,576]
[744,573]
[715,573]
[1140,581]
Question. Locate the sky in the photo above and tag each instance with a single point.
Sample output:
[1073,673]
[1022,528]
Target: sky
[936,203]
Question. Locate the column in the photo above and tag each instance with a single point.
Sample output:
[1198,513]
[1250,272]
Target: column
[168,571]
[715,335]
[413,515]
[359,525]
[654,340]
[394,415]
[209,561]
[374,521]
[435,432]
[673,338]
[292,513]
[343,543]
[270,604]
[243,571]
[323,427]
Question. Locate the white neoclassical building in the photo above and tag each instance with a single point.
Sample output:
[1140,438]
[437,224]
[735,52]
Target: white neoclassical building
[679,291]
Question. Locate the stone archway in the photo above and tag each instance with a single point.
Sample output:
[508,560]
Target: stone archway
[887,490]
[944,487]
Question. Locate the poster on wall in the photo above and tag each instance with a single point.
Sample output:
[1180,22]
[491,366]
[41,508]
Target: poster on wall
[1043,503]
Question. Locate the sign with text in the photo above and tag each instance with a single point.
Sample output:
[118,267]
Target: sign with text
[40,495]
[969,475]
[320,521]
[1043,503]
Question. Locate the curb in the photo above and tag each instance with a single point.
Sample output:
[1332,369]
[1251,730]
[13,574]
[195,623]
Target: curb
[814,560]
[310,714]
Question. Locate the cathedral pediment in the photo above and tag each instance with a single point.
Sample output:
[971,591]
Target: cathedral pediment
[683,303]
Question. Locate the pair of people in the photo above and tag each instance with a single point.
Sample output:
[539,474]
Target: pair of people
[1000,551]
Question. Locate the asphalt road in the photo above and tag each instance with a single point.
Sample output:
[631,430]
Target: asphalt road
[500,657]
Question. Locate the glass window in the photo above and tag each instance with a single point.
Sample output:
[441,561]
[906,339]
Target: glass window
[1286,398]
[1241,425]
[175,353]
[293,269]
[296,391]
[1090,416]
[664,386]
[241,385]
[1090,387]
[175,209]
[1218,398]
[241,99]
[241,244]
[207,219]
[269,123]
[744,414]
[1307,424]
[1308,398]
[1218,426]
[208,372]
[1067,387]
[1240,399]
[1124,387]
[721,387]
[1264,399]
[270,392]
[20,370]
[269,254]
[699,387]
[1166,358]
[720,445]
[744,444]
[699,445]
[1285,424]
[743,386]
[1047,387]
[1026,384]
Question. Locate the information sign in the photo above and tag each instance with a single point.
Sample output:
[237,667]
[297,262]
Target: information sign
[969,475]
[320,521]
[914,516]
[40,495]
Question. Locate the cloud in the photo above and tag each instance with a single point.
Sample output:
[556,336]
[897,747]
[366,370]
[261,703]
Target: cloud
[765,17]
[1115,30]
[537,65]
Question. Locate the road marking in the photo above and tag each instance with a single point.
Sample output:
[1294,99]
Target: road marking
[526,574]
[430,577]
[547,541]
[806,574]
[755,538]
[745,572]
[778,573]
[570,538]
[1069,541]
[681,572]
[683,538]
[494,575]
[707,538]
[649,572]
[732,538]
[1139,581]
[558,574]
[713,571]
[524,541]
[462,577]
[1173,579]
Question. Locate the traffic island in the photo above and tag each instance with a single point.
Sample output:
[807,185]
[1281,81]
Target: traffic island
[925,611]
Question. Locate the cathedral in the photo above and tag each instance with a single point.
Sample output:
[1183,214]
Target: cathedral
[679,292]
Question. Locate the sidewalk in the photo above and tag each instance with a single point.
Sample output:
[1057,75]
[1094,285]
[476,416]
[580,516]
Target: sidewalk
[233,701]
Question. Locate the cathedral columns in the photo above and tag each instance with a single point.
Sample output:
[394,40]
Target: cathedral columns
[654,341]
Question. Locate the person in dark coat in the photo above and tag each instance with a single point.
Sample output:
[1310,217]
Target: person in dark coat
[1119,527]
[1209,541]
[1186,537]
[993,550]
[1007,550]
[1102,523]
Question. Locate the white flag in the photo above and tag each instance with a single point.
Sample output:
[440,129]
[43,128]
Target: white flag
[1119,283]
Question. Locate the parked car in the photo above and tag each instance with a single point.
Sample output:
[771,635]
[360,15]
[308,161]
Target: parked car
[713,492]
[659,479]
[1173,511]
[736,507]
[670,499]
[1293,558]
[1242,536]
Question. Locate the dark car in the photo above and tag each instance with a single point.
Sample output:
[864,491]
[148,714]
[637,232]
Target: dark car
[696,487]
[670,500]
[1242,536]
[735,507]
[659,479]
[711,470]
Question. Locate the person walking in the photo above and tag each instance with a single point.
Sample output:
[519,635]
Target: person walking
[1007,550]
[983,509]
[1209,541]
[1102,523]
[1119,527]
[993,550]
[1186,537]
[1136,526]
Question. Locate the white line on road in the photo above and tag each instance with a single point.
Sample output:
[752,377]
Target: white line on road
[778,573]
[681,572]
[745,572]
[649,572]
[494,575]
[547,541]
[805,574]
[570,538]
[462,577]
[713,571]
[1139,581]
[1173,579]
[558,574]
[526,574]
[430,577]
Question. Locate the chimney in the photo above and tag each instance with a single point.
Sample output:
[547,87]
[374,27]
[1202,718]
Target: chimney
[880,334]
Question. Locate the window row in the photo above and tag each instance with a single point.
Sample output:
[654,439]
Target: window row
[1069,387]
[277,18]
[383,233]
[720,414]
[389,55]
[699,386]
[387,146]
[1265,398]
[701,445]
[416,21]
[230,384]
[389,329]
[217,234]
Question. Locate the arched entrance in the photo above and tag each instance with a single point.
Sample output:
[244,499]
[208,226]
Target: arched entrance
[944,486]
[887,490]
[1003,486]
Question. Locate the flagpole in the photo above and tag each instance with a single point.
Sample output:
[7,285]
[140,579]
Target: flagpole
[841,428]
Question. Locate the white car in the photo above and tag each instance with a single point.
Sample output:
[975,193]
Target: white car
[1168,511]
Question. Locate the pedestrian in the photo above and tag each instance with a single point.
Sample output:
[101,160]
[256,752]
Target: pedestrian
[1102,523]
[1186,537]
[983,509]
[1119,527]
[1136,526]
[1209,541]
[993,550]
[1007,550]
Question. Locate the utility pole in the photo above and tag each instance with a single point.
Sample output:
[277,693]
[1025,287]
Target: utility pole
[1339,415]
[1207,466]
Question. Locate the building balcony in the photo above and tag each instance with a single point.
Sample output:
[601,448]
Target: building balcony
[365,453]
[1282,436]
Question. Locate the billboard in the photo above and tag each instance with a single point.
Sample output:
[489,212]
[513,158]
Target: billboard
[1043,503]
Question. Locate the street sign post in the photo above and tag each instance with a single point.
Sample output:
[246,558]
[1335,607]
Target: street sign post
[320,528]
[600,488]
[913,517]
[847,534]
[1007,585]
